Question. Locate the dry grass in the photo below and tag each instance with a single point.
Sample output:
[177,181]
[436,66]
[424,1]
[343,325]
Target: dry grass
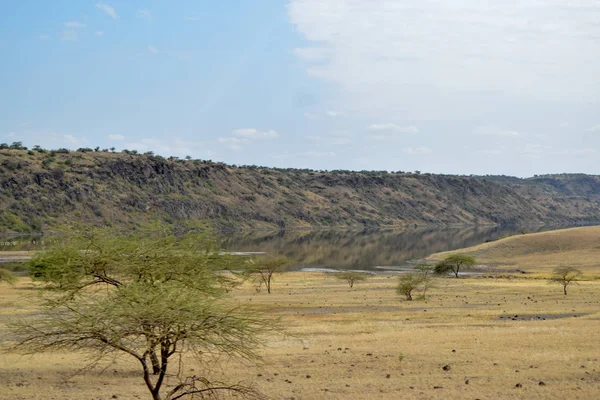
[344,343]
[541,252]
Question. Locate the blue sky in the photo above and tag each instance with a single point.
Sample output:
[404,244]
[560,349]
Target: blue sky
[447,87]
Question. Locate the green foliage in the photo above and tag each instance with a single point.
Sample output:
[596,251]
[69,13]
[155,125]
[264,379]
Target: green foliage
[7,276]
[351,277]
[454,263]
[412,281]
[260,270]
[564,276]
[152,296]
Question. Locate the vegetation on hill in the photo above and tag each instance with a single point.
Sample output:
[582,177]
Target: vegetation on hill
[540,252]
[44,188]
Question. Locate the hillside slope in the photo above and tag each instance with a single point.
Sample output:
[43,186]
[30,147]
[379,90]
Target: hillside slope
[540,252]
[39,190]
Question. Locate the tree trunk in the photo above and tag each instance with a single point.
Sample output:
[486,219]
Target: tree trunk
[269,285]
[351,284]
[155,363]
[408,296]
[565,289]
[148,380]
[456,272]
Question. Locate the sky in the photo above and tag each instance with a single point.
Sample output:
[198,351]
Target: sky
[444,86]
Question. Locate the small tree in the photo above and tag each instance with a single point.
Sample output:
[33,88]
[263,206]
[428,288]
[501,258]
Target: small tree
[454,263]
[426,270]
[7,276]
[153,297]
[408,283]
[261,270]
[351,277]
[565,276]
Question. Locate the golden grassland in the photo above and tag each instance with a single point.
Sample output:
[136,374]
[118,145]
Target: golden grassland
[539,253]
[367,343]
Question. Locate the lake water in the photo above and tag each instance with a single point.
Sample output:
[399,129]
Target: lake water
[371,250]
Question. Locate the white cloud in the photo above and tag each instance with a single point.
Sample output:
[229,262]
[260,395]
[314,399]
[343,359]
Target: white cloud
[312,54]
[317,154]
[394,128]
[116,137]
[335,114]
[489,152]
[99,33]
[311,116]
[69,35]
[72,139]
[574,152]
[417,150]
[379,138]
[107,9]
[594,128]
[495,131]
[533,149]
[232,142]
[74,24]
[330,141]
[145,14]
[431,59]
[153,50]
[44,36]
[252,133]
[11,134]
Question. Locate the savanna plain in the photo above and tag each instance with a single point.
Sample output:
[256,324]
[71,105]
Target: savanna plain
[504,333]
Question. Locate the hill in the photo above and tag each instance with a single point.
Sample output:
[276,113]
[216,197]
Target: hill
[41,189]
[540,252]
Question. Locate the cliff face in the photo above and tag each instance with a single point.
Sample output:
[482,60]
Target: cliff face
[41,190]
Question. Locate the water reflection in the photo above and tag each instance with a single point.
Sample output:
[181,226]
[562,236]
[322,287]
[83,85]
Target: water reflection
[334,249]
[366,250]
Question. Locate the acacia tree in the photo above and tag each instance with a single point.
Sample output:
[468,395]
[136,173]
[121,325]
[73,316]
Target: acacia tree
[261,270]
[426,271]
[454,263]
[565,276]
[351,277]
[153,297]
[408,283]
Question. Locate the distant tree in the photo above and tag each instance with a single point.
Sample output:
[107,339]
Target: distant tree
[565,276]
[18,146]
[85,150]
[112,149]
[37,147]
[454,263]
[351,277]
[62,150]
[426,270]
[408,283]
[188,158]
[155,297]
[7,276]
[105,150]
[149,153]
[260,271]
[4,146]
[97,148]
